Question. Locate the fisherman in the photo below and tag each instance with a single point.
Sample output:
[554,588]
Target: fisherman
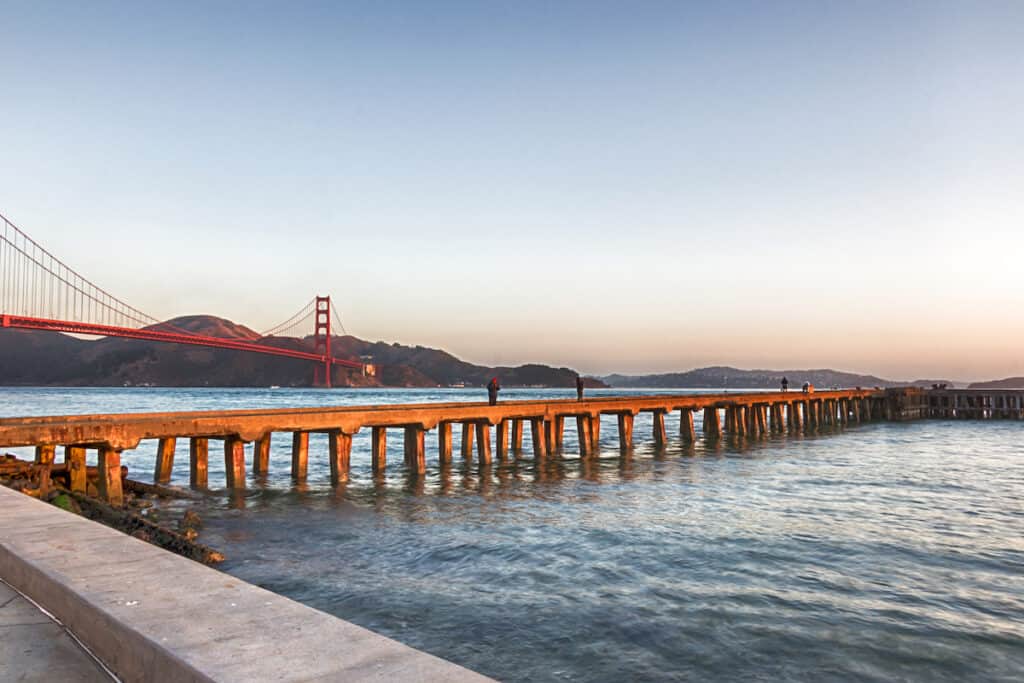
[492,391]
[785,384]
[579,388]
[807,387]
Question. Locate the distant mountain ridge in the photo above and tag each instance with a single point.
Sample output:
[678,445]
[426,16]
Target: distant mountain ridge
[1008,383]
[725,377]
[48,358]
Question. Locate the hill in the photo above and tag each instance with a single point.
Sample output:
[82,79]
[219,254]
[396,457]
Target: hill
[1008,383]
[47,358]
[735,378]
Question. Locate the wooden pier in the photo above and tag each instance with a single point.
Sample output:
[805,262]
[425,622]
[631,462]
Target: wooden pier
[747,414]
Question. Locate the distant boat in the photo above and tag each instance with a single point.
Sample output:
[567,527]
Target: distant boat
[274,386]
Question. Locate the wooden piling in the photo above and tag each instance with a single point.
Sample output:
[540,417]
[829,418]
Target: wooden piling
[537,435]
[300,455]
[558,437]
[444,441]
[595,432]
[583,435]
[164,460]
[234,462]
[261,455]
[415,449]
[74,457]
[109,481]
[379,445]
[660,437]
[517,435]
[712,423]
[501,438]
[467,440]
[686,431]
[483,443]
[625,431]
[339,447]
[198,462]
[44,458]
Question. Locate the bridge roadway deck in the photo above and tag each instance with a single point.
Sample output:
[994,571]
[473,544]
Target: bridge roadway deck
[744,413]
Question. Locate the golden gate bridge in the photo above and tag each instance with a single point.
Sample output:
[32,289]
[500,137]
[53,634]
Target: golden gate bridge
[38,291]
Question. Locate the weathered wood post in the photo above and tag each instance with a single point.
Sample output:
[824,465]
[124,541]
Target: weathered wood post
[467,440]
[583,435]
[483,442]
[261,455]
[44,459]
[660,437]
[559,434]
[444,441]
[595,432]
[517,435]
[198,462]
[415,449]
[300,455]
[686,431]
[625,431]
[501,439]
[339,450]
[234,462]
[164,460]
[537,435]
[74,458]
[379,448]
[712,426]
[109,482]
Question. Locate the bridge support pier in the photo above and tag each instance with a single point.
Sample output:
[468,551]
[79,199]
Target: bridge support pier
[198,462]
[234,462]
[501,439]
[686,431]
[483,443]
[583,435]
[660,437]
[625,431]
[44,458]
[261,455]
[415,449]
[74,458]
[164,460]
[340,451]
[379,444]
[467,440]
[559,433]
[712,423]
[517,435]
[109,482]
[300,455]
[540,449]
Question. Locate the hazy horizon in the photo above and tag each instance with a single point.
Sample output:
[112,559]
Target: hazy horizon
[633,188]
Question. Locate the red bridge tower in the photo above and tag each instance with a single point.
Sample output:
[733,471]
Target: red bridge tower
[322,341]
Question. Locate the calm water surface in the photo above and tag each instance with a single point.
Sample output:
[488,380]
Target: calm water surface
[882,552]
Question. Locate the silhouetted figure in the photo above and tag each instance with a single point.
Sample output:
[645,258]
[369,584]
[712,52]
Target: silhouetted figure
[785,384]
[492,391]
[579,388]
[807,387]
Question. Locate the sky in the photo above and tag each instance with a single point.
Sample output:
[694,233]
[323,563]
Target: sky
[609,186]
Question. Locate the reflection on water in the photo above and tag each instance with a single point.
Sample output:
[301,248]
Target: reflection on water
[882,552]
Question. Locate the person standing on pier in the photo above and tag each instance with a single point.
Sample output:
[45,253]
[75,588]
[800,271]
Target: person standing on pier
[785,383]
[492,391]
[579,388]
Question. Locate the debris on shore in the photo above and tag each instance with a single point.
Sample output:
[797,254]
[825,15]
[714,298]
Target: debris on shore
[50,483]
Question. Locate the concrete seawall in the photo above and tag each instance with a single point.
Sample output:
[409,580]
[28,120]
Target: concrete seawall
[151,615]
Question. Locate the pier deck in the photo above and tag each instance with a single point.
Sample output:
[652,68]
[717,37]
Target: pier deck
[110,434]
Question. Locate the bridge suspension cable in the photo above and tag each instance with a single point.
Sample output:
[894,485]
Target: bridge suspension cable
[35,282]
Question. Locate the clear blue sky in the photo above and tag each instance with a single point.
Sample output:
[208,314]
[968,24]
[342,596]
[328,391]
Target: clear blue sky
[634,186]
